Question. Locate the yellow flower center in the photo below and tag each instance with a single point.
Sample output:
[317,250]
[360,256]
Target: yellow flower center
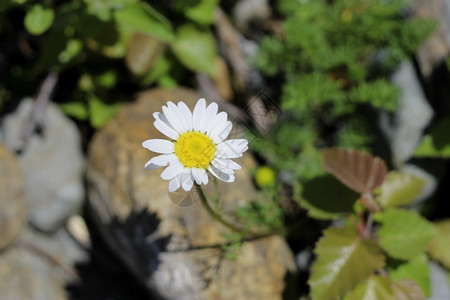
[195,150]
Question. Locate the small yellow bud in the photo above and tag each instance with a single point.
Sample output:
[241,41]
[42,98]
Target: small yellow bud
[265,177]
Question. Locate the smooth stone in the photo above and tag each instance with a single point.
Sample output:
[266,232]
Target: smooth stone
[440,286]
[175,251]
[27,272]
[13,209]
[414,113]
[52,163]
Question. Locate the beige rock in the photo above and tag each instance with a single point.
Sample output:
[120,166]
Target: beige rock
[437,47]
[13,210]
[174,250]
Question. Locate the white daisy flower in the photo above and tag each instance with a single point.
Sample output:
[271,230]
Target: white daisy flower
[198,145]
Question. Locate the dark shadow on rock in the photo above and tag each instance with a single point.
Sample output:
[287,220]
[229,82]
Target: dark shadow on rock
[137,238]
[105,275]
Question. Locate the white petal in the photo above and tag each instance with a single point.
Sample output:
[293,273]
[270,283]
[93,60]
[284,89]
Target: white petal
[222,176]
[186,115]
[159,146]
[199,111]
[227,163]
[231,148]
[220,130]
[171,171]
[161,118]
[172,114]
[161,161]
[222,168]
[203,176]
[166,130]
[208,117]
[187,181]
[175,183]
[197,177]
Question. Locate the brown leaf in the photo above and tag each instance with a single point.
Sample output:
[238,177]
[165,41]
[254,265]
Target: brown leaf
[359,171]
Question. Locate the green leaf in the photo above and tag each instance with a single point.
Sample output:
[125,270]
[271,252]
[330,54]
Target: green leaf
[343,260]
[439,248]
[437,143]
[399,189]
[417,270]
[195,49]
[326,198]
[75,109]
[203,12]
[160,68]
[376,287]
[100,112]
[38,19]
[404,234]
[407,289]
[141,17]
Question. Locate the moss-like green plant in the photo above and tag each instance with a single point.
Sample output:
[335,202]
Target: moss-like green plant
[335,57]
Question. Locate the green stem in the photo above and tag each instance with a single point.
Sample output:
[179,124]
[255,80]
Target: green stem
[214,214]
[227,224]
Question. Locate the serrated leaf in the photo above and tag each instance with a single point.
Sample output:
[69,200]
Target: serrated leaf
[38,19]
[359,171]
[404,234]
[415,269]
[399,189]
[326,198]
[195,49]
[436,143]
[439,248]
[100,112]
[375,288]
[343,260]
[407,289]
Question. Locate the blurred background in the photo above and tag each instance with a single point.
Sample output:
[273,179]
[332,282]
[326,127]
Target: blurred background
[80,218]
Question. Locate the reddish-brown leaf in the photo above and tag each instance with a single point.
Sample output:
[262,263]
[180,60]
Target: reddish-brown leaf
[358,170]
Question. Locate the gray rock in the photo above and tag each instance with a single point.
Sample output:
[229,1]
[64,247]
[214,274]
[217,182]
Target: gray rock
[13,210]
[52,163]
[26,271]
[412,116]
[440,287]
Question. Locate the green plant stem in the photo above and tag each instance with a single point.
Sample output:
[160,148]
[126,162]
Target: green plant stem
[227,224]
[214,214]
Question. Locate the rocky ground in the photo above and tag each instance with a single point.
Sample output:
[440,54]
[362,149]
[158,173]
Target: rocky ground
[96,225]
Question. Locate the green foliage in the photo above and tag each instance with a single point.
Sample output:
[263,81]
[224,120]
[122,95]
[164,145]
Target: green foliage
[375,287]
[195,49]
[437,143]
[343,260]
[417,270]
[157,43]
[334,56]
[404,234]
[399,189]
[38,19]
[439,248]
[326,198]
[350,260]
